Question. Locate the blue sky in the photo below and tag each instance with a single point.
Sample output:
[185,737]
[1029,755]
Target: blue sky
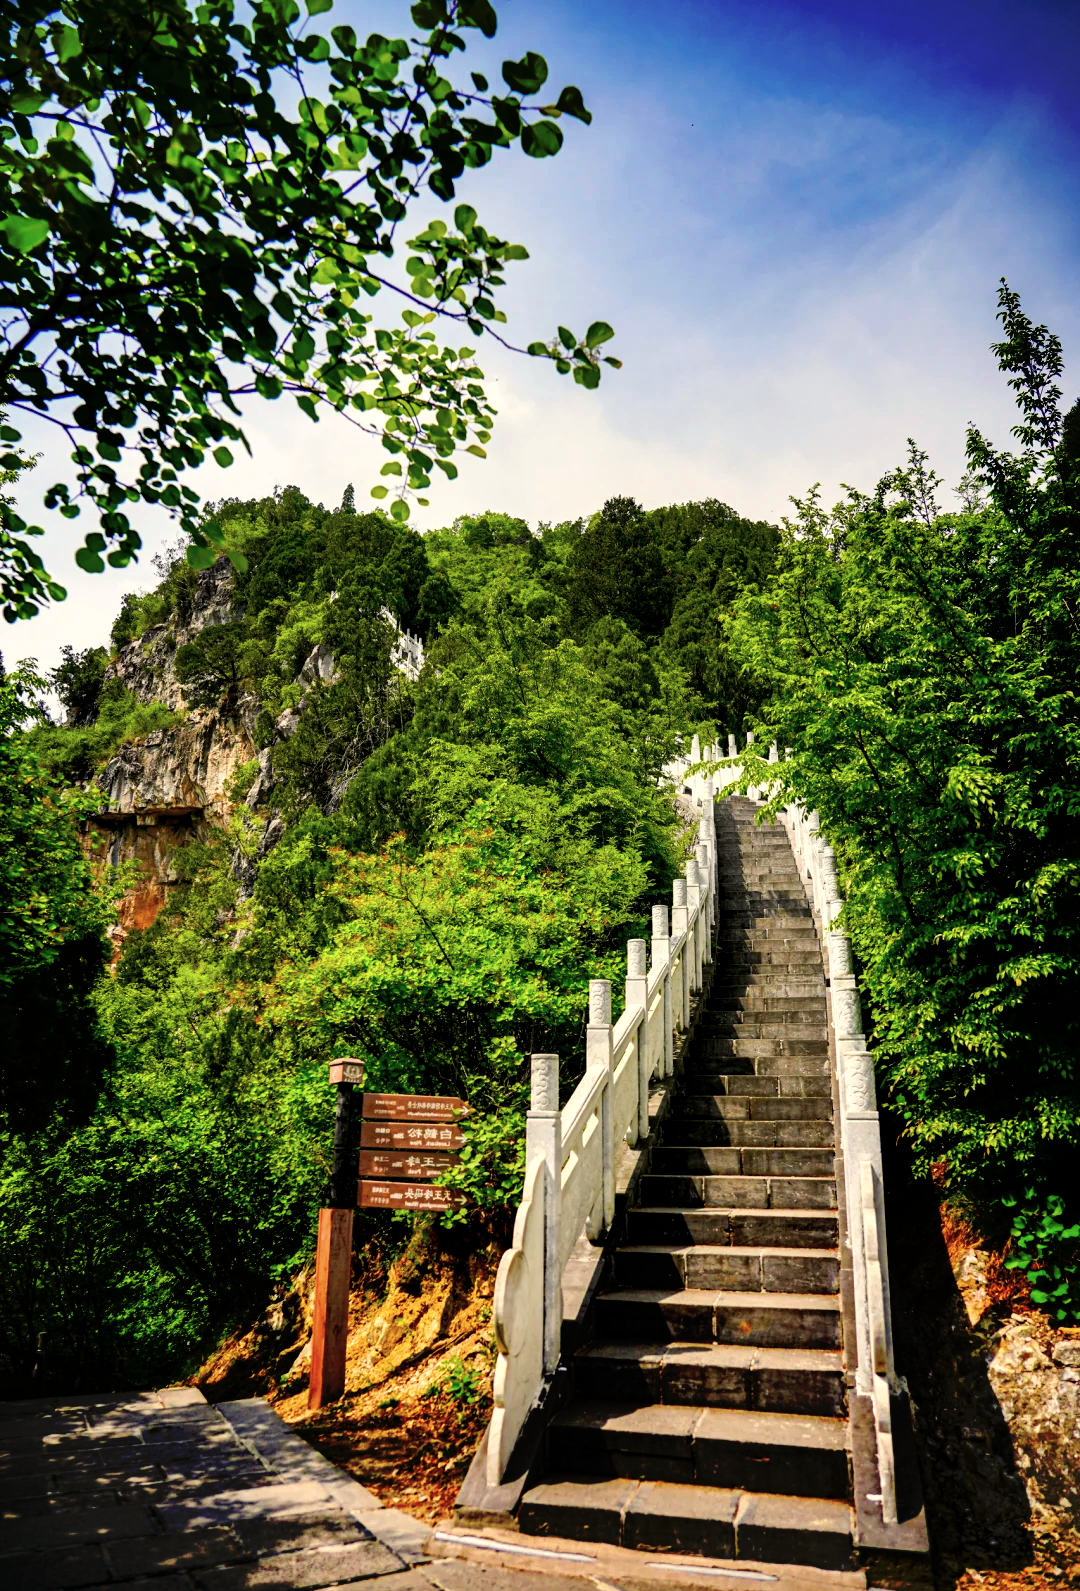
[795,216]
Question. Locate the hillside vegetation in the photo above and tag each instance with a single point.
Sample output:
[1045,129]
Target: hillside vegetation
[420,873]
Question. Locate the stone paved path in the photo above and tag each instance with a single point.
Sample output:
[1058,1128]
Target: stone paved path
[163,1492]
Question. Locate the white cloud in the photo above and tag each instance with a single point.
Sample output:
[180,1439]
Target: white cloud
[794,294]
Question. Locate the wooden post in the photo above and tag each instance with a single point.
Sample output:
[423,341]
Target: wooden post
[333,1261]
[330,1326]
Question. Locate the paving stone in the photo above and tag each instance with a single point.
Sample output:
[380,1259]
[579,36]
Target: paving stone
[53,1571]
[264,1536]
[698,1519]
[78,1525]
[319,1566]
[587,1510]
[284,1500]
[814,1531]
[188,1549]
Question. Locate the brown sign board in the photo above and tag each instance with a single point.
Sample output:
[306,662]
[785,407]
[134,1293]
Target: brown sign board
[407,1196]
[427,1136]
[394,1163]
[412,1107]
[346,1071]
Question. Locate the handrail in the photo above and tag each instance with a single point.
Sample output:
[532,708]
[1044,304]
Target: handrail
[570,1154]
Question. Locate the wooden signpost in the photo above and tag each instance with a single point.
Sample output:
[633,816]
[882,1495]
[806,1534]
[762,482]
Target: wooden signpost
[407,1140]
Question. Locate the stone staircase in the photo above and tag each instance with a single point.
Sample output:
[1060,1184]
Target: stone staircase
[708,1410]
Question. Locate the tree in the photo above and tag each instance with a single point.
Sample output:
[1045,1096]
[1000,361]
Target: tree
[52,931]
[615,570]
[922,667]
[174,237]
[77,681]
[209,666]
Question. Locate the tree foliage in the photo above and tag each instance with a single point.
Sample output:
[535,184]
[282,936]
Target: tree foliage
[922,668]
[199,203]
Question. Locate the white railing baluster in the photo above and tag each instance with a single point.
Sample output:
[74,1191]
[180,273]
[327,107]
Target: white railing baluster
[598,1052]
[637,995]
[543,1140]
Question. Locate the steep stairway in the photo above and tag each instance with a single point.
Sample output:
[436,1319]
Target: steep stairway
[708,1411]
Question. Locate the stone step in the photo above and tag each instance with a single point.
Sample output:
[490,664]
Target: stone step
[727,1161]
[737,955]
[702,1081]
[773,927]
[766,981]
[739,1191]
[774,1380]
[764,999]
[788,937]
[797,1455]
[696,1130]
[809,1015]
[690,1219]
[741,1270]
[695,1294]
[801,1057]
[701,1314]
[659,1516]
[755,1107]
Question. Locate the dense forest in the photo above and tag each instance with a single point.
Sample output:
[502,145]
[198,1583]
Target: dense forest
[424,871]
[421,872]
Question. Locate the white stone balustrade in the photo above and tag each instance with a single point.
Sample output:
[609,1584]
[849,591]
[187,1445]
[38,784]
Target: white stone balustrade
[570,1156]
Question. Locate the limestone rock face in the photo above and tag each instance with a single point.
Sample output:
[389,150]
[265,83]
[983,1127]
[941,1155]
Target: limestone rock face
[186,766]
[147,666]
[1039,1395]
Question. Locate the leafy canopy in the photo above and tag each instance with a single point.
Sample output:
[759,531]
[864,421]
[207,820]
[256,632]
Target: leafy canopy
[175,236]
[922,666]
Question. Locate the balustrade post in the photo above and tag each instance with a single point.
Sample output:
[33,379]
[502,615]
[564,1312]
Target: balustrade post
[661,957]
[543,1136]
[637,985]
[599,1052]
[679,919]
[701,851]
[693,899]
[732,746]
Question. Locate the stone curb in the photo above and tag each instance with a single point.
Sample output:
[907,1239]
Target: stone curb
[265,1434]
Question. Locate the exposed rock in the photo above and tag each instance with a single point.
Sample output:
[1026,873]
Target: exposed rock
[1039,1395]
[187,766]
[264,779]
[271,835]
[320,665]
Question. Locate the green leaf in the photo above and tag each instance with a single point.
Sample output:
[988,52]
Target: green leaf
[390,469]
[478,14]
[379,491]
[539,350]
[223,457]
[399,511]
[315,8]
[599,332]
[571,104]
[587,376]
[480,81]
[476,450]
[526,76]
[91,561]
[67,44]
[24,232]
[465,218]
[540,139]
[201,557]
[567,338]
